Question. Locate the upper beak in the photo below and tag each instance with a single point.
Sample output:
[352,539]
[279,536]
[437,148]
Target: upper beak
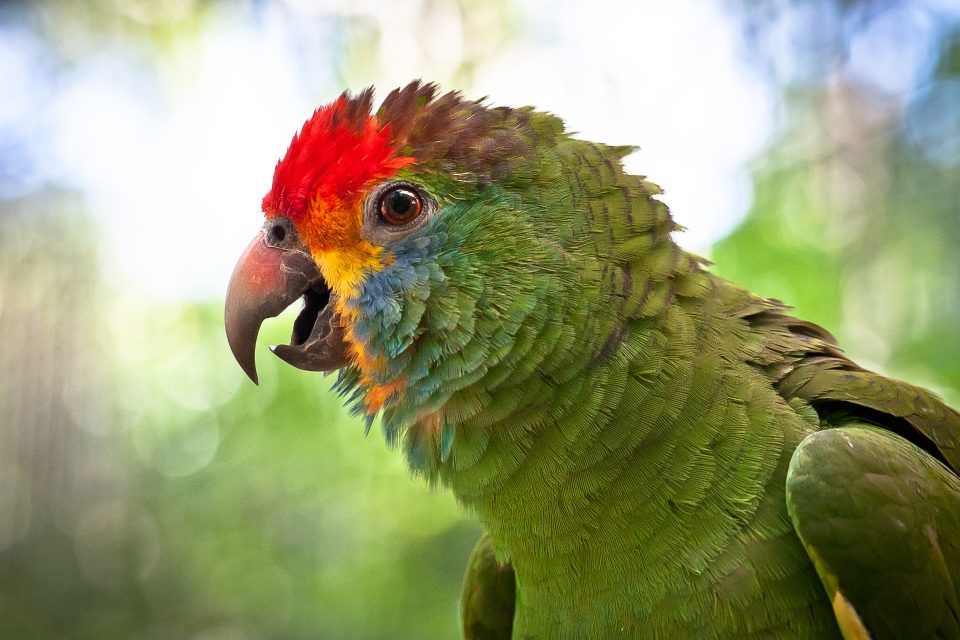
[269,278]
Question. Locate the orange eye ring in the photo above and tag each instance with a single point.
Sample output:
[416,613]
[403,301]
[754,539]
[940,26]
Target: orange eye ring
[399,205]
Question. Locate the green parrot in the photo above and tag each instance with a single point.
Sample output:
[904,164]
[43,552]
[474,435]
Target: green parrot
[653,451]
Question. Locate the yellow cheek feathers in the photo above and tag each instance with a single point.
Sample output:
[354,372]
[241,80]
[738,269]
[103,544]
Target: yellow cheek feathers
[345,259]
[344,269]
[332,232]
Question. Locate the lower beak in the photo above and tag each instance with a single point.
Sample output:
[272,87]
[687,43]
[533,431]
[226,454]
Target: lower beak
[267,280]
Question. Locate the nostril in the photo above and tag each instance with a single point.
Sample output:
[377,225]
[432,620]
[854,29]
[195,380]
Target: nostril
[277,233]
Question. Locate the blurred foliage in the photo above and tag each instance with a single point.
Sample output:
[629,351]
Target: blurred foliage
[148,491]
[856,215]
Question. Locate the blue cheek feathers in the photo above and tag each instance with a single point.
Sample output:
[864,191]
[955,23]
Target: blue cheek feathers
[390,309]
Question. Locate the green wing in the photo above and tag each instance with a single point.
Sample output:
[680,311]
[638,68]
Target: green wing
[809,369]
[880,518]
[489,595]
[871,495]
[912,412]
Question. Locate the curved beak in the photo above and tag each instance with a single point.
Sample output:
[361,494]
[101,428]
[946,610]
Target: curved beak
[267,280]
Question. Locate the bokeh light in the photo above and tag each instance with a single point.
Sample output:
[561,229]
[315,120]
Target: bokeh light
[148,490]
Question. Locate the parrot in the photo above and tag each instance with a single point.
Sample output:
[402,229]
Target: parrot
[652,451]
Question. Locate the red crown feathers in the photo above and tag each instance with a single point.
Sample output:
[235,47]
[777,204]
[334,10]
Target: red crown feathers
[339,150]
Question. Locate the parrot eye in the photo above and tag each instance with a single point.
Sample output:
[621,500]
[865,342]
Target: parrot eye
[399,205]
[394,210]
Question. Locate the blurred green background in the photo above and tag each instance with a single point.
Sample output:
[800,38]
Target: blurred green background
[148,491]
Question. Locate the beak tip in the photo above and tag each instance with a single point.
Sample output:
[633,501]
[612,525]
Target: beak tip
[249,367]
[242,343]
[243,350]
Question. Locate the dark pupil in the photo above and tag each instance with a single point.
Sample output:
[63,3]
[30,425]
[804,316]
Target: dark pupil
[400,203]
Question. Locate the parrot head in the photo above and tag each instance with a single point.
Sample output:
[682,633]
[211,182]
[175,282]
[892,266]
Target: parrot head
[439,246]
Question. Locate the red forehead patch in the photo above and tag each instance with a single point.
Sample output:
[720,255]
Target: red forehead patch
[339,150]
